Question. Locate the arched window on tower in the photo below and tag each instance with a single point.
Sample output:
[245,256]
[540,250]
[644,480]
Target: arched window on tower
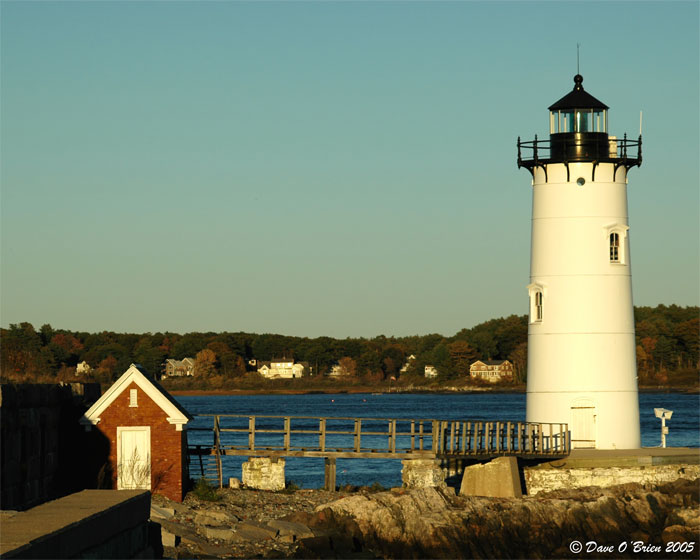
[536,303]
[538,306]
[616,237]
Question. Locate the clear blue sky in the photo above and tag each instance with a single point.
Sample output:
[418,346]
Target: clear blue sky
[320,168]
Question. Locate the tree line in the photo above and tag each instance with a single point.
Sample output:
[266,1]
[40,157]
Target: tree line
[667,351]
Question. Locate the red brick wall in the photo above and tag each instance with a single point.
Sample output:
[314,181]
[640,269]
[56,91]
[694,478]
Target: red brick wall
[167,452]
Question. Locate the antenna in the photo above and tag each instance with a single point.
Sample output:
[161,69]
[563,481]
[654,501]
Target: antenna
[578,70]
[640,123]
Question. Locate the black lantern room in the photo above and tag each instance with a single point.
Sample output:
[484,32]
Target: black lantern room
[578,132]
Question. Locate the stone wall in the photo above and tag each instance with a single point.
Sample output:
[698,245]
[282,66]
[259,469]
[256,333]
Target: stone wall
[40,440]
[547,478]
[88,524]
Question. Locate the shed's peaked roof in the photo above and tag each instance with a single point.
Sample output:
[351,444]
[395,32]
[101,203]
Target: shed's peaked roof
[176,413]
[578,99]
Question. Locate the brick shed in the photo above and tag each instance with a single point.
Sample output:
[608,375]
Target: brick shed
[146,430]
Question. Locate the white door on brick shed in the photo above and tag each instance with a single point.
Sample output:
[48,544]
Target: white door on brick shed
[133,457]
[583,425]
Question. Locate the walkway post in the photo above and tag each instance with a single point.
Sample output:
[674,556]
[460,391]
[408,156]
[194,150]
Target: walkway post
[330,474]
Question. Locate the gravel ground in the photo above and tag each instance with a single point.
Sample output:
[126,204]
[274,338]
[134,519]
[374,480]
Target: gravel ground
[242,506]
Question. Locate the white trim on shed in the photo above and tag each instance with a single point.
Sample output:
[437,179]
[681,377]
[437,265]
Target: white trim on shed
[175,414]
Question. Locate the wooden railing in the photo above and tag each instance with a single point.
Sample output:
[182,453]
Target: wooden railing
[464,438]
[379,438]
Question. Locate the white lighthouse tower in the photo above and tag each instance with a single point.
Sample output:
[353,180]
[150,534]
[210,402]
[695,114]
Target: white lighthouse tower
[581,366]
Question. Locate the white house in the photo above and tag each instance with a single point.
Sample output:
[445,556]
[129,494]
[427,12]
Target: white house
[281,369]
[431,371]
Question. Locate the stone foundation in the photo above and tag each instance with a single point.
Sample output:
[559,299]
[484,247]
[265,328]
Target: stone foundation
[263,473]
[547,478]
[422,473]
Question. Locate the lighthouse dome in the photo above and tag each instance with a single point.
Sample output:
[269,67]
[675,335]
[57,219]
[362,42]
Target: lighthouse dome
[578,99]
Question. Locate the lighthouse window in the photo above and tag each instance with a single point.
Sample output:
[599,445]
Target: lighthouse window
[615,247]
[536,292]
[568,122]
[616,235]
[536,306]
[585,121]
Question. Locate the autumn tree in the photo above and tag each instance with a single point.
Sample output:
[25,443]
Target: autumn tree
[348,366]
[65,347]
[441,360]
[150,354]
[519,359]
[392,360]
[22,351]
[105,371]
[228,360]
[205,363]
[511,332]
[461,356]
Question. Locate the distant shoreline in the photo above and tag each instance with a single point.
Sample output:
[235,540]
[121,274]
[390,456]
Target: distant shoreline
[369,390]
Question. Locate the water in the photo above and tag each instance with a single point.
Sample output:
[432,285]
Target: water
[684,426]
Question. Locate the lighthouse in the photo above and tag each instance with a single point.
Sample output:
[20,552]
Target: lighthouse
[581,367]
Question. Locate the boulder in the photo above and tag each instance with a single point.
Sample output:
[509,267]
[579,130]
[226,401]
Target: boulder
[435,523]
[213,518]
[219,533]
[158,512]
[255,531]
[289,528]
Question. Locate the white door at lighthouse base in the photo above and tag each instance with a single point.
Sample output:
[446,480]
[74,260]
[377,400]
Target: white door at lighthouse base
[583,425]
[133,457]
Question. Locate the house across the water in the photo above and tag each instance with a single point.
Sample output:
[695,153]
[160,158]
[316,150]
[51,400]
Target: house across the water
[179,368]
[283,368]
[492,370]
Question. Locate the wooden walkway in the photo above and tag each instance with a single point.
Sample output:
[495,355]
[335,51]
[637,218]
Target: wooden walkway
[374,438]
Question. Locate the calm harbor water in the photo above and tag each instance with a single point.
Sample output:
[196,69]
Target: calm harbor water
[684,426]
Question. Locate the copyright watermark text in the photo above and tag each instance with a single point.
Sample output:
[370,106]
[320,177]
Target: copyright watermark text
[638,547]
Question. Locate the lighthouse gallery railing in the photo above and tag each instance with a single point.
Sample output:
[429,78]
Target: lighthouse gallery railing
[619,150]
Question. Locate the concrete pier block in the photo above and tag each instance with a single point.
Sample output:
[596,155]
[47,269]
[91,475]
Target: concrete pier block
[263,473]
[422,473]
[497,479]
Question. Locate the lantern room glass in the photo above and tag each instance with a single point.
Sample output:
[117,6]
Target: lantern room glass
[578,120]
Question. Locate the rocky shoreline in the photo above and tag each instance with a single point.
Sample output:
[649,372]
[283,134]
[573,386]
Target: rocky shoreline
[433,523]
